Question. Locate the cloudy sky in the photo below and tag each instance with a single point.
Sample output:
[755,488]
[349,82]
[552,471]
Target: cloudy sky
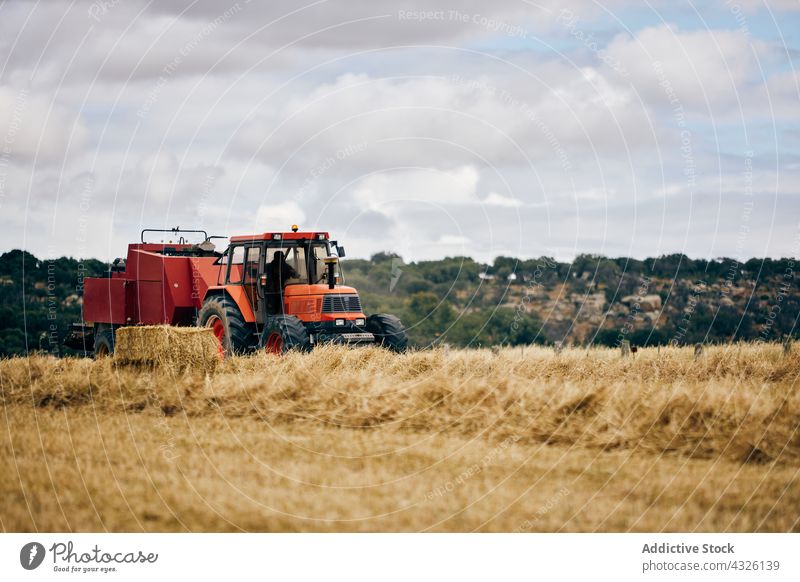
[426,128]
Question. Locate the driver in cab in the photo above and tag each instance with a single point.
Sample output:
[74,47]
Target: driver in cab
[278,271]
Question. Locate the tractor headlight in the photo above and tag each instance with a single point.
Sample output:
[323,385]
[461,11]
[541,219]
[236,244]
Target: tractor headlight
[340,322]
[359,322]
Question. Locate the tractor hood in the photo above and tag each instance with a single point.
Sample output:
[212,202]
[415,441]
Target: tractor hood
[305,290]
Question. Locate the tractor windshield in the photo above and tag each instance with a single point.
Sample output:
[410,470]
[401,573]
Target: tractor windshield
[305,258]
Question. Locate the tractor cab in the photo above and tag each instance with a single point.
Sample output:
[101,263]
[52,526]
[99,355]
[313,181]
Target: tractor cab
[279,272]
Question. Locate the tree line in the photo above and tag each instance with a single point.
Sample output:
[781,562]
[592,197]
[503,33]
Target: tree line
[463,302]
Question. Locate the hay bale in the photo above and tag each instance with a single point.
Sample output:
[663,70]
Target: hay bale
[170,348]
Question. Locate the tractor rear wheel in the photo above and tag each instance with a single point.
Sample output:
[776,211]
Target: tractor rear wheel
[222,315]
[283,333]
[103,340]
[388,331]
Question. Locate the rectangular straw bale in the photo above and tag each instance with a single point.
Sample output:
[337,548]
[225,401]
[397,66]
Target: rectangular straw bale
[167,347]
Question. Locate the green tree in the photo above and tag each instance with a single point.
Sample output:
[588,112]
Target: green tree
[428,317]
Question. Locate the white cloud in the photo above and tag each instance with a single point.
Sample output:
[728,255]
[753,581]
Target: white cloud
[280,216]
[452,240]
[35,125]
[387,192]
[702,67]
[442,121]
[495,199]
[595,194]
[462,130]
[772,5]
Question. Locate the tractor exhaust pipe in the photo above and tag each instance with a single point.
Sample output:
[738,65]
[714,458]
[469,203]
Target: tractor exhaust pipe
[330,262]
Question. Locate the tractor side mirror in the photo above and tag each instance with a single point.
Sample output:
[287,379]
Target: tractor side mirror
[340,252]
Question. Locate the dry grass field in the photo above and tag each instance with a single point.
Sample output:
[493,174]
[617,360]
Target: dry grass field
[365,440]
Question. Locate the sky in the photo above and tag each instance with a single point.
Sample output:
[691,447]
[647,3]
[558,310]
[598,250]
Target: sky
[424,128]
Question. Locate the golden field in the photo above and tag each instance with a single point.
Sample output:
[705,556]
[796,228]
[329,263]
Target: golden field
[366,440]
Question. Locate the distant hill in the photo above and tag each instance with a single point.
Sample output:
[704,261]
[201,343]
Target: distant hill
[593,299]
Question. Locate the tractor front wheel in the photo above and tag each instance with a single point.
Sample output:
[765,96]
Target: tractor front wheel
[222,316]
[388,331]
[283,333]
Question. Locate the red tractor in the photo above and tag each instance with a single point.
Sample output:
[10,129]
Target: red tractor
[275,291]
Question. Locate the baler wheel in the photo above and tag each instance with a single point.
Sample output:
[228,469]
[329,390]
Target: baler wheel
[103,340]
